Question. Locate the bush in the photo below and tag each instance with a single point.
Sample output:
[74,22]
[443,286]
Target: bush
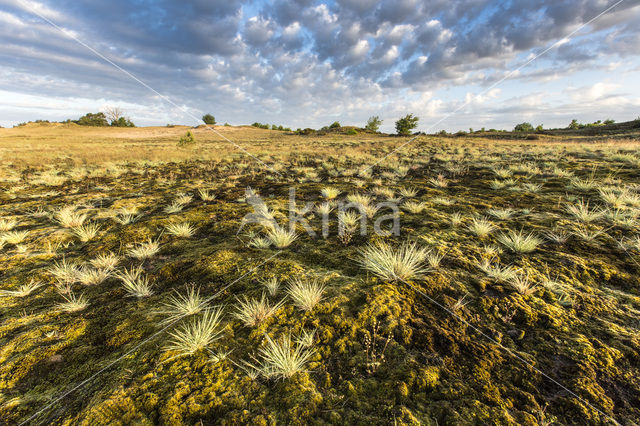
[373,124]
[98,120]
[187,139]
[123,122]
[540,128]
[209,119]
[406,124]
[574,124]
[523,127]
[335,125]
[352,132]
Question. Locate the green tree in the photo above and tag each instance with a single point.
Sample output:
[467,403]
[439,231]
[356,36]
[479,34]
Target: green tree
[609,121]
[540,128]
[335,125]
[123,122]
[98,119]
[574,124]
[373,124]
[523,127]
[406,124]
[209,119]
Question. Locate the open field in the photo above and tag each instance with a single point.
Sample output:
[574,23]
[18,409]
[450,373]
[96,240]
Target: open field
[129,261]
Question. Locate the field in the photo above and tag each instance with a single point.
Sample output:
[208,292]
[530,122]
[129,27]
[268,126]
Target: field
[144,282]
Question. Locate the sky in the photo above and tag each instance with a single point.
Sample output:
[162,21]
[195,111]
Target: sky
[304,63]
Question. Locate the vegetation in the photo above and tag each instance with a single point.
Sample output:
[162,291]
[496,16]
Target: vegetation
[509,296]
[406,124]
[209,119]
[373,124]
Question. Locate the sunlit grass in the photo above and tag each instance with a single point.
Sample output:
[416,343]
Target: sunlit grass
[305,293]
[135,282]
[403,263]
[254,311]
[198,334]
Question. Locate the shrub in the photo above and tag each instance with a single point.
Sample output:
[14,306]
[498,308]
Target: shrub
[122,122]
[335,125]
[406,124]
[187,139]
[352,132]
[523,127]
[98,120]
[209,119]
[373,124]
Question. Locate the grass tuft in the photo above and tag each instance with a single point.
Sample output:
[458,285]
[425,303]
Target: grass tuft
[198,334]
[305,293]
[404,263]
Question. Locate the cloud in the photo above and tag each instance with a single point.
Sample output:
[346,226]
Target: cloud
[302,61]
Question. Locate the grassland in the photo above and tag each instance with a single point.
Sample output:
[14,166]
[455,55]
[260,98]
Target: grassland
[511,295]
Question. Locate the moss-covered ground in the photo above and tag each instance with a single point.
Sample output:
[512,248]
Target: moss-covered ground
[464,349]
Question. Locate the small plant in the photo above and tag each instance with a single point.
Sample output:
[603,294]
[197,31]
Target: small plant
[455,219]
[65,272]
[174,207]
[187,139]
[182,230]
[522,284]
[272,285]
[14,237]
[502,214]
[360,199]
[404,263]
[414,207]
[582,212]
[306,338]
[406,192]
[305,293]
[73,303]
[324,209]
[481,227]
[23,290]
[281,237]
[184,305]
[260,242]
[330,193]
[497,272]
[69,218]
[198,334]
[206,195]
[86,232]
[253,311]
[135,283]
[280,360]
[8,224]
[145,250]
[90,276]
[105,261]
[519,242]
[439,182]
[434,259]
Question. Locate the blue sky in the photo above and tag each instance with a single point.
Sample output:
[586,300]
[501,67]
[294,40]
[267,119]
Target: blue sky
[305,63]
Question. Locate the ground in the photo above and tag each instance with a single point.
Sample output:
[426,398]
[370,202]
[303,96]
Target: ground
[487,333]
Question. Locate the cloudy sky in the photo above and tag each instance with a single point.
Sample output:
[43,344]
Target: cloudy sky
[306,63]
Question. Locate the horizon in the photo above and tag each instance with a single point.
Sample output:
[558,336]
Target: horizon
[307,64]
